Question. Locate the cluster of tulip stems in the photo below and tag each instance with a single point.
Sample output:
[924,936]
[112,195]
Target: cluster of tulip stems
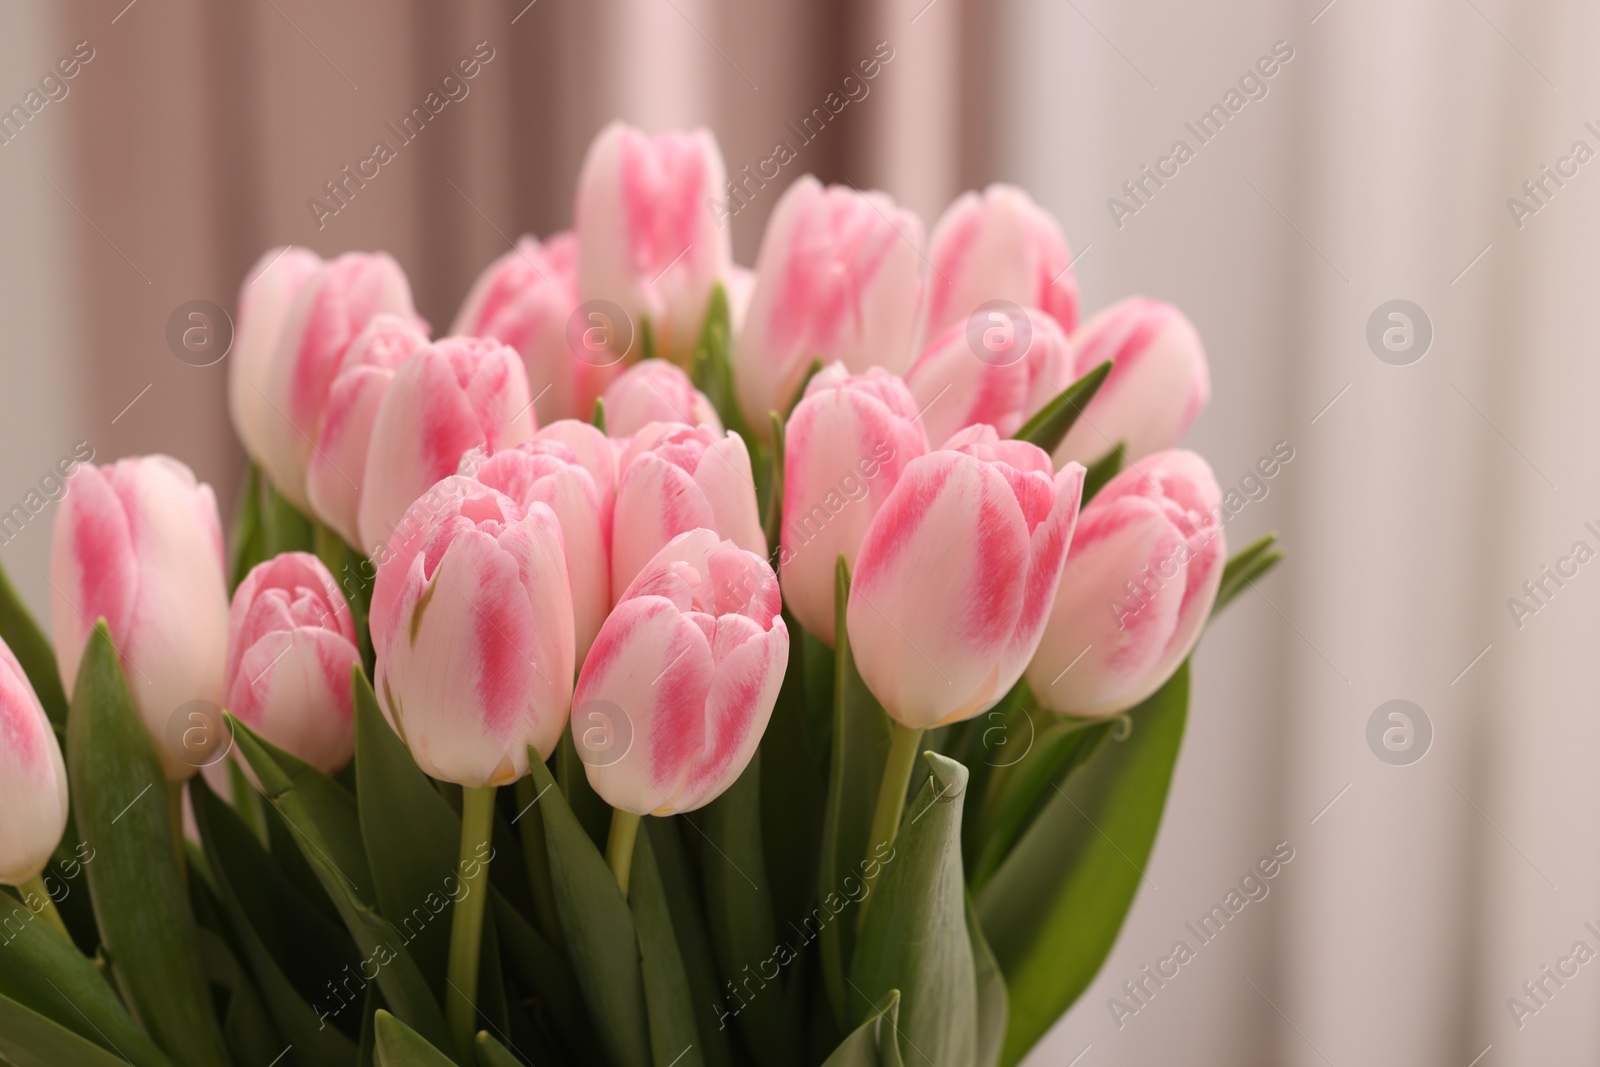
[826,624]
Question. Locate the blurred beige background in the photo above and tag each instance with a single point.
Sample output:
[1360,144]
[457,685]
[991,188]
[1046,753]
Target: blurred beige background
[1377,166]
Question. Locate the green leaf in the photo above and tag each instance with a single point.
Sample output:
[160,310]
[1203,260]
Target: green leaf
[249,1032]
[33,650]
[673,1037]
[773,523]
[327,829]
[861,733]
[400,1046]
[598,927]
[1249,563]
[1048,428]
[812,371]
[872,1044]
[545,973]
[492,1053]
[1103,470]
[233,855]
[245,551]
[682,894]
[412,837]
[592,813]
[793,795]
[599,418]
[1054,908]
[711,367]
[993,1002]
[28,1039]
[120,798]
[284,527]
[915,936]
[44,972]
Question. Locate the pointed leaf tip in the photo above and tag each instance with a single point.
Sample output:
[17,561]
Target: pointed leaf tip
[948,775]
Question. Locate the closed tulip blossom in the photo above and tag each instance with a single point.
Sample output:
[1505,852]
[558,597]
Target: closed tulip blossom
[291,644]
[330,310]
[956,574]
[839,277]
[672,478]
[339,462]
[139,543]
[998,245]
[265,298]
[1157,385]
[656,391]
[844,449]
[526,299]
[472,627]
[1000,371]
[686,669]
[1137,590]
[450,397]
[645,239]
[33,780]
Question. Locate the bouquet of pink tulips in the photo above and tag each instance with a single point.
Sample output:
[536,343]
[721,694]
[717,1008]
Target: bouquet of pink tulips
[675,665]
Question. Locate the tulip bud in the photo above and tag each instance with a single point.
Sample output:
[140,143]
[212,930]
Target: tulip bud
[548,471]
[339,462]
[447,399]
[677,692]
[672,478]
[331,308]
[139,544]
[646,241]
[265,297]
[839,277]
[291,644]
[1157,385]
[472,626]
[33,778]
[526,299]
[999,368]
[656,391]
[999,246]
[1137,590]
[844,449]
[956,574]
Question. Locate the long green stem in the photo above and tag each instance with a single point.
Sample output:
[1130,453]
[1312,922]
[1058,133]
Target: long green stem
[175,818]
[891,803]
[466,921]
[536,851]
[35,887]
[619,846]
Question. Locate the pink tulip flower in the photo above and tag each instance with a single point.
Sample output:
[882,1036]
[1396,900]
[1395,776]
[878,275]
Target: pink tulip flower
[672,478]
[839,277]
[266,295]
[291,644]
[339,462]
[683,677]
[844,449]
[472,626]
[1000,370]
[1157,385]
[1137,590]
[33,778]
[448,398]
[139,543]
[999,246]
[646,241]
[956,574]
[656,391]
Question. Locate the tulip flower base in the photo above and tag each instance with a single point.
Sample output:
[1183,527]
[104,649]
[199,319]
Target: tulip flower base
[654,672]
